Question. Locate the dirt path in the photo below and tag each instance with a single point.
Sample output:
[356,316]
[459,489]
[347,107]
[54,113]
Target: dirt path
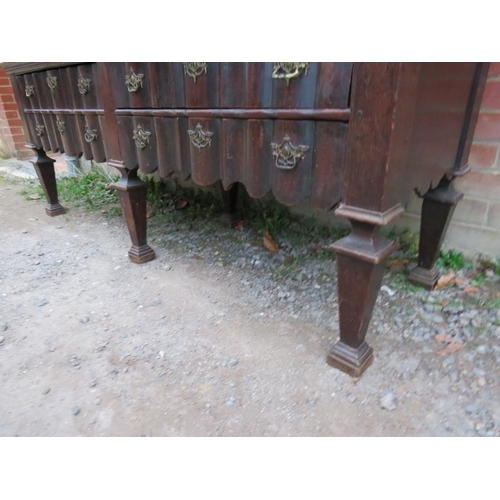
[97,346]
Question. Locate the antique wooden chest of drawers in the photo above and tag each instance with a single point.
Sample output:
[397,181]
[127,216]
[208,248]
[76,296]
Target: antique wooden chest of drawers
[356,136]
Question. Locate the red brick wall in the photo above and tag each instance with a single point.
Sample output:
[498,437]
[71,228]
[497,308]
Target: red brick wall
[11,131]
[475,227]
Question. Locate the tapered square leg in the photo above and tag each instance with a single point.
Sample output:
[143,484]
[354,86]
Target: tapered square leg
[231,216]
[361,262]
[437,210]
[132,193]
[44,167]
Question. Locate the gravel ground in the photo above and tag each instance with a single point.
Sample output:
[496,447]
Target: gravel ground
[220,337]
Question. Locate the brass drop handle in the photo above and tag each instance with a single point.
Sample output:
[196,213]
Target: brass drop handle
[141,137]
[90,134]
[195,69]
[288,70]
[287,155]
[134,81]
[200,138]
[84,85]
[51,81]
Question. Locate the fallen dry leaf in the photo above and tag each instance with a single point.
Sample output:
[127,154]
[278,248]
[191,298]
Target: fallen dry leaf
[34,196]
[33,219]
[442,337]
[460,281]
[471,289]
[270,244]
[103,211]
[395,263]
[445,280]
[180,204]
[150,211]
[450,349]
[444,302]
[240,225]
[196,257]
[497,295]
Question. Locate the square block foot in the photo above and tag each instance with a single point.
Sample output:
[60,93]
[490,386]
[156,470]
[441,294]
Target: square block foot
[55,209]
[351,360]
[230,220]
[424,277]
[139,255]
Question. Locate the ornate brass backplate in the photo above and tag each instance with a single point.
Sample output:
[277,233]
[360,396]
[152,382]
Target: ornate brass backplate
[134,81]
[40,129]
[29,90]
[289,70]
[287,155]
[90,134]
[195,69]
[84,85]
[141,137]
[61,125]
[51,81]
[199,138]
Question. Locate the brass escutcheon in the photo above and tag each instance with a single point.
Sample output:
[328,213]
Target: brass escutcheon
[134,81]
[61,125]
[84,85]
[51,81]
[288,70]
[90,134]
[199,138]
[195,69]
[29,90]
[141,137]
[287,155]
[40,129]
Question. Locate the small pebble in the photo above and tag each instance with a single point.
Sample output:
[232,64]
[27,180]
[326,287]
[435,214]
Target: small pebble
[388,402]
[167,267]
[230,401]
[98,401]
[230,362]
[156,302]
[3,327]
[93,383]
[42,303]
[76,410]
[2,340]
[46,391]
[481,381]
[84,319]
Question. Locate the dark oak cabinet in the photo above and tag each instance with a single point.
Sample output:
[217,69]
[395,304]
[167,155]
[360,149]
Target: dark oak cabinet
[358,137]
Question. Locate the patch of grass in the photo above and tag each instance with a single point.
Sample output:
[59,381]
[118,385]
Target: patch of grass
[478,280]
[453,260]
[88,191]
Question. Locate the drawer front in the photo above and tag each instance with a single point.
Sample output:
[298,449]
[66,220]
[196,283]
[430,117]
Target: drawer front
[296,160]
[63,110]
[74,87]
[75,135]
[231,85]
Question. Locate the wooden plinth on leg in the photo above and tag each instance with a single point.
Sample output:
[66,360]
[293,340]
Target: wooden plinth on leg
[361,262]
